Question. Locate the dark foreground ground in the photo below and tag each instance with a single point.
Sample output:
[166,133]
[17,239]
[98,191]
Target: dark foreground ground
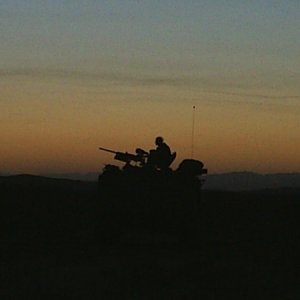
[239,246]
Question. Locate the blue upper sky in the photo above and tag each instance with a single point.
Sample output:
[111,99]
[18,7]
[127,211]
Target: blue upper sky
[176,36]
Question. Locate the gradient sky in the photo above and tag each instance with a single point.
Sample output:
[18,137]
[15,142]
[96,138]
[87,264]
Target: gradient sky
[76,75]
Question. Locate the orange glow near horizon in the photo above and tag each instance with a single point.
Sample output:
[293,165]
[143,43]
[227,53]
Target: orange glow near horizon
[53,126]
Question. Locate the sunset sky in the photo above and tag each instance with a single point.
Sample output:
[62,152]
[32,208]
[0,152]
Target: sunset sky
[77,75]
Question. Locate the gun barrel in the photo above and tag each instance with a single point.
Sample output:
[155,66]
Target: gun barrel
[125,156]
[107,150]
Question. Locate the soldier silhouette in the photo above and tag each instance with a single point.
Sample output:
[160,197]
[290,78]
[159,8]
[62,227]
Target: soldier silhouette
[161,157]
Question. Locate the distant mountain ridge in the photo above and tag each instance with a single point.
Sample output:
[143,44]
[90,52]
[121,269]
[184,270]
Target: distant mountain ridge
[91,176]
[246,181]
[234,181]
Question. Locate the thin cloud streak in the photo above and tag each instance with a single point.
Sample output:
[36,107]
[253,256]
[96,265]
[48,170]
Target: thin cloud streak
[271,97]
[81,75]
[196,84]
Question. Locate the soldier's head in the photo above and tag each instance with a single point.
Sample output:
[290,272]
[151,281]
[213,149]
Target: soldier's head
[159,140]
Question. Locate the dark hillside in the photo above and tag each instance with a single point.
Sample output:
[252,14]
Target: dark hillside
[38,209]
[242,245]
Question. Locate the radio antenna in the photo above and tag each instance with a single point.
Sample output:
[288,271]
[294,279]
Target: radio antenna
[193,131]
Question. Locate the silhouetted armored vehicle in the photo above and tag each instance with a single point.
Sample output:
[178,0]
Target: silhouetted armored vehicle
[148,196]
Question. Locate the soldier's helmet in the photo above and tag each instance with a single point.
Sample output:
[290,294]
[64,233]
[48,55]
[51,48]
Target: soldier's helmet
[159,140]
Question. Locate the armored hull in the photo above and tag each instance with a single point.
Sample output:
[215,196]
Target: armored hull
[151,199]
